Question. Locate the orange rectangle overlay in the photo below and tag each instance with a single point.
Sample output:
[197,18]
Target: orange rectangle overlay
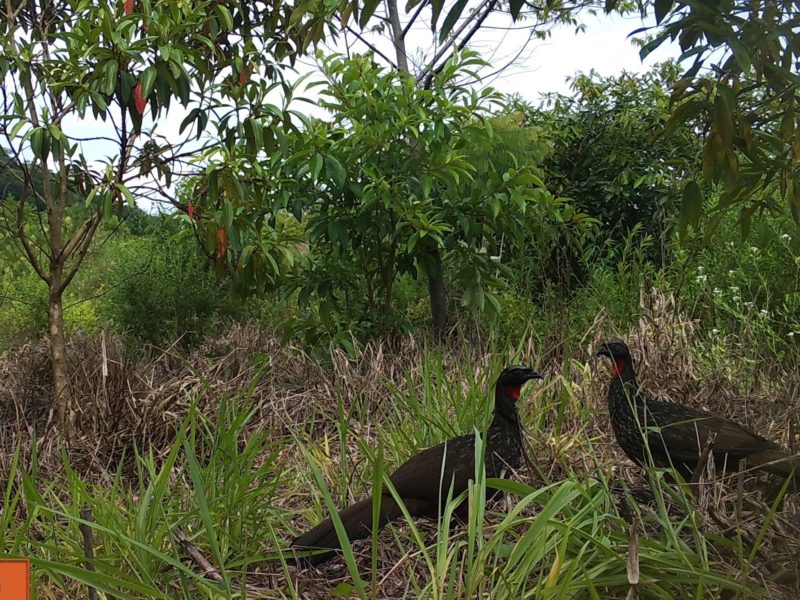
[15,579]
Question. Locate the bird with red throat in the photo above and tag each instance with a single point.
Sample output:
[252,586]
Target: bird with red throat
[424,481]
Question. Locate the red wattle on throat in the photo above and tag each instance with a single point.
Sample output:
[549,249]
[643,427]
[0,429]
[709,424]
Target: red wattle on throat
[618,367]
[513,392]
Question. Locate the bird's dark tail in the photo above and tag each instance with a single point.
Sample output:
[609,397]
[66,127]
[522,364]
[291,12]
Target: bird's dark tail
[357,521]
[776,461]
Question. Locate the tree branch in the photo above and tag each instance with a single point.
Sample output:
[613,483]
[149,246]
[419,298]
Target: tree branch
[372,47]
[87,241]
[432,69]
[397,36]
[23,238]
[413,18]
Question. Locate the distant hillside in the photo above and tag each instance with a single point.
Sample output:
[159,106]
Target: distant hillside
[10,184]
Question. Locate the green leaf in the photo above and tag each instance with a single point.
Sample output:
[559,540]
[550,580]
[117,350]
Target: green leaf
[227,212]
[645,50]
[110,70]
[367,11]
[112,586]
[148,80]
[684,112]
[40,145]
[224,15]
[335,171]
[200,500]
[455,12]
[411,243]
[126,194]
[691,206]
[723,119]
[662,8]
[188,120]
[315,166]
[794,202]
[341,532]
[247,253]
[343,590]
[741,55]
[107,204]
[436,11]
[745,219]
[494,206]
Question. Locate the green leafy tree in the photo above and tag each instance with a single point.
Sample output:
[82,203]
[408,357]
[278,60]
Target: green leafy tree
[244,194]
[393,184]
[455,26]
[608,154]
[401,181]
[744,84]
[71,69]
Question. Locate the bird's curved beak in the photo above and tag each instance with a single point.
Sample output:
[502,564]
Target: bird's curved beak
[604,351]
[531,374]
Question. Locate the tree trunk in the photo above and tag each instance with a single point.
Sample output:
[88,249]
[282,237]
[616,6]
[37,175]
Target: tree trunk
[436,287]
[438,293]
[61,388]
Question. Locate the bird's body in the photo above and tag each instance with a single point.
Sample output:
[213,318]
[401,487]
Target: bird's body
[425,480]
[674,435]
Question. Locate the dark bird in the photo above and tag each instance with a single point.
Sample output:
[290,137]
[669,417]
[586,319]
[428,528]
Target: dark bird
[676,434]
[424,480]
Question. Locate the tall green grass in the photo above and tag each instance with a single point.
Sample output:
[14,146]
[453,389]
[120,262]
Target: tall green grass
[238,489]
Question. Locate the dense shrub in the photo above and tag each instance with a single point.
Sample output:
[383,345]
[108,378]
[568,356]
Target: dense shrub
[160,290]
[23,305]
[745,293]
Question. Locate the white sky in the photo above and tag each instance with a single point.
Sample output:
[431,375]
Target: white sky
[604,47]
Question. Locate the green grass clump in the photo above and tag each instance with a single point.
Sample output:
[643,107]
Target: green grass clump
[241,490]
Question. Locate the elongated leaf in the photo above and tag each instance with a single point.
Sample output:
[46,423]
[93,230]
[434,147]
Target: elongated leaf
[662,8]
[794,203]
[455,12]
[148,80]
[367,11]
[515,7]
[341,533]
[691,206]
[112,586]
[723,119]
[335,171]
[201,501]
[436,11]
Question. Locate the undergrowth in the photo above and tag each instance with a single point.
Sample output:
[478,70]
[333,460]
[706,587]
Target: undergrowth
[255,448]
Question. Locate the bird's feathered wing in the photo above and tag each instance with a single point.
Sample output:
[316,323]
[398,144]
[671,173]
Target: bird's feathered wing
[447,459]
[684,431]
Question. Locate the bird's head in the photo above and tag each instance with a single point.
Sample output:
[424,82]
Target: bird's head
[513,378]
[618,352]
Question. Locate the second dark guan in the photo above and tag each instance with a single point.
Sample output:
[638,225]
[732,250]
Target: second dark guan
[676,434]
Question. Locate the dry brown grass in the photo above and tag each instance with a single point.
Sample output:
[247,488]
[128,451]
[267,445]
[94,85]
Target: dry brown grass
[122,403]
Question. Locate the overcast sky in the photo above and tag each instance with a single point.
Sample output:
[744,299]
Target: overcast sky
[604,47]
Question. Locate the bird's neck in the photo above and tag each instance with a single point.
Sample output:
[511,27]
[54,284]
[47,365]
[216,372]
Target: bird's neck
[505,408]
[622,368]
[624,386]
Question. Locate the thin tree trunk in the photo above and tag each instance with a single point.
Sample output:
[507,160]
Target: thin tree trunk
[397,37]
[438,293]
[61,388]
[436,286]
